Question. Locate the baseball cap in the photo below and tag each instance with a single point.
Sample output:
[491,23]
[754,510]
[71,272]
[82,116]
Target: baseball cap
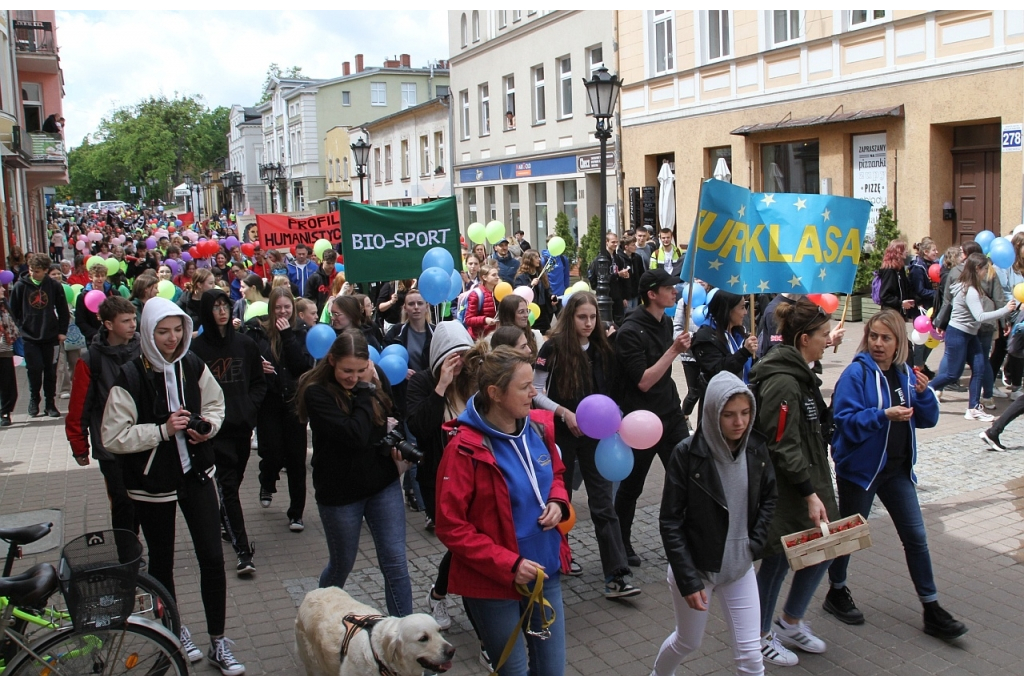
[655,278]
[503,240]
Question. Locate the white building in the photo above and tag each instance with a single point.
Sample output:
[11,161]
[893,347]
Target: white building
[290,139]
[245,152]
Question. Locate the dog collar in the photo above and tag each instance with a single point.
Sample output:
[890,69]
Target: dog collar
[353,624]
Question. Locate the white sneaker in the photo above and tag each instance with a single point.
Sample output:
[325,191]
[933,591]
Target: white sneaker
[1016,394]
[799,636]
[65,395]
[773,652]
[1001,394]
[439,610]
[192,653]
[988,402]
[978,414]
[938,395]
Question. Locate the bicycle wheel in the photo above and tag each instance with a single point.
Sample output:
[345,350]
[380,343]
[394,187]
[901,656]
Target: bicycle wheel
[152,601]
[136,649]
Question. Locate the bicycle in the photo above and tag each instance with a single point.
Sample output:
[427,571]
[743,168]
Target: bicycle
[104,637]
[152,600]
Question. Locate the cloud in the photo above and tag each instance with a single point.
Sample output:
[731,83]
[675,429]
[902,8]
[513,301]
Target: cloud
[116,58]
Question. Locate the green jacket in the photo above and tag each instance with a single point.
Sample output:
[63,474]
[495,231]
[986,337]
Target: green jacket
[800,457]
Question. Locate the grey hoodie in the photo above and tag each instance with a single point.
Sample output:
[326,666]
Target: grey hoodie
[732,470]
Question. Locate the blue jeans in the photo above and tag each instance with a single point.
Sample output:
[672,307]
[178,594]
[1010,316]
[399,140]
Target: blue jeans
[899,495]
[385,516]
[495,619]
[988,378]
[960,348]
[769,583]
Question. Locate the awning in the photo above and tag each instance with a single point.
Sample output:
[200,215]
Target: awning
[837,117]
[13,160]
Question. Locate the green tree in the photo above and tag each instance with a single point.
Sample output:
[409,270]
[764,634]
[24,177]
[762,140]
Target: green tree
[873,250]
[275,72]
[563,232]
[590,245]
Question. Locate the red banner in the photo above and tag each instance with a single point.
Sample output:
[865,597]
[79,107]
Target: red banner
[187,218]
[282,232]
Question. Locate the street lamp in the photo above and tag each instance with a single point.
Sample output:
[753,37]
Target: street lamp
[188,186]
[603,93]
[361,155]
[207,196]
[271,174]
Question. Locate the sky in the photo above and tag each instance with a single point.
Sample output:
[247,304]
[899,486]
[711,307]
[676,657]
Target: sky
[116,58]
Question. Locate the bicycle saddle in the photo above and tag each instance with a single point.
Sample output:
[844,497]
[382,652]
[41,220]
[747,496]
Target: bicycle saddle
[25,534]
[30,588]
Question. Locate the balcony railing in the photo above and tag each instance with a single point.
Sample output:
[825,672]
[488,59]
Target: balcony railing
[47,147]
[34,36]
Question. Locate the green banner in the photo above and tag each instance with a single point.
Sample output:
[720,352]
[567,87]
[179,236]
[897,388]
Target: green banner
[388,243]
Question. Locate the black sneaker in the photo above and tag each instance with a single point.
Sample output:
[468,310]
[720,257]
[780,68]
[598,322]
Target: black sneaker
[33,408]
[939,623]
[992,440]
[5,420]
[410,499]
[575,569]
[224,534]
[220,656]
[52,411]
[839,603]
[618,588]
[296,525]
[632,558]
[245,566]
[266,497]
[430,524]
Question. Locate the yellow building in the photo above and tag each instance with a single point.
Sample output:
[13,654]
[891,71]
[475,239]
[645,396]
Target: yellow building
[920,111]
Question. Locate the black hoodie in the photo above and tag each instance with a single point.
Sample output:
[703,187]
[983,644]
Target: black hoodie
[235,362]
[639,344]
[41,311]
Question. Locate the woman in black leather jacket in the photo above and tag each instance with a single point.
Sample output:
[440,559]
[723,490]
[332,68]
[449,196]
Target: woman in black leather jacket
[718,503]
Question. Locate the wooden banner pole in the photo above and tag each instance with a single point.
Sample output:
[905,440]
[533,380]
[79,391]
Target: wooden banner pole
[842,319]
[693,264]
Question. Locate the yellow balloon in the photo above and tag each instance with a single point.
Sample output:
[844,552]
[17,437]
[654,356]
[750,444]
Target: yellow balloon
[501,290]
[535,309]
[1018,292]
[931,343]
[582,286]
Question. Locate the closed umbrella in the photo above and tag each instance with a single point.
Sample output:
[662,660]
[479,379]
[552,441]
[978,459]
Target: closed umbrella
[667,197]
[722,172]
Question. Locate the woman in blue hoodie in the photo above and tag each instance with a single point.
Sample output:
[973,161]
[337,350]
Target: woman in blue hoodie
[879,402]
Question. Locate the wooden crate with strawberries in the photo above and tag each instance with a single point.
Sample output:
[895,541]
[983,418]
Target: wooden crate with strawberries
[830,540]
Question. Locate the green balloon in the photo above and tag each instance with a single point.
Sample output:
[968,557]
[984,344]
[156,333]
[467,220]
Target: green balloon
[495,232]
[556,246]
[477,232]
[113,266]
[256,309]
[165,290]
[70,294]
[94,261]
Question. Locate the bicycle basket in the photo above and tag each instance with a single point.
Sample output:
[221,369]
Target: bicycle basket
[97,576]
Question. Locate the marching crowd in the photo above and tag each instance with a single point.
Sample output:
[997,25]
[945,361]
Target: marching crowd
[182,350]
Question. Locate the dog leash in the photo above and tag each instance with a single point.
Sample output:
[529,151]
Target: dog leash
[535,598]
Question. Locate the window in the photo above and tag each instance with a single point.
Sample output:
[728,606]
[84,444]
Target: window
[405,159]
[565,87]
[441,91]
[32,103]
[538,95]
[569,204]
[485,110]
[510,103]
[471,204]
[388,164]
[346,98]
[540,208]
[861,18]
[344,168]
[502,18]
[492,210]
[439,152]
[790,167]
[379,176]
[719,44]
[517,15]
[513,209]
[424,155]
[378,94]
[464,113]
[330,172]
[408,95]
[714,168]
[785,26]
[476,25]
[465,31]
[595,60]
[300,200]
[664,42]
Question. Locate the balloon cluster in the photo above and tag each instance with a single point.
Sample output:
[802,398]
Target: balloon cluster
[999,250]
[577,287]
[925,333]
[440,281]
[598,417]
[493,232]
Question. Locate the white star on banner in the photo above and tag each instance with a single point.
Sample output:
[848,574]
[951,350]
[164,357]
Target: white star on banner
[741,211]
[821,274]
[733,280]
[795,281]
[800,203]
[716,265]
[768,199]
[826,214]
[744,287]
[763,286]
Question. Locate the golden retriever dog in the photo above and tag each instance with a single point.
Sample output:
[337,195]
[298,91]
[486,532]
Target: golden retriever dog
[389,646]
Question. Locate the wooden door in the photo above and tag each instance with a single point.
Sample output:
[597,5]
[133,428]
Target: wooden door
[975,193]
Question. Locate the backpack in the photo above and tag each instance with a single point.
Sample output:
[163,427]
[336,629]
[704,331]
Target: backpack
[876,289]
[463,304]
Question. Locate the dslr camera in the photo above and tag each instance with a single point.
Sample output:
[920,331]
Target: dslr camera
[396,439]
[199,424]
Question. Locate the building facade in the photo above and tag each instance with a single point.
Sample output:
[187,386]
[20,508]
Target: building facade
[908,109]
[524,147]
[245,152]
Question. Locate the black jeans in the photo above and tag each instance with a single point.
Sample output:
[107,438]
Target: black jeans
[8,386]
[198,502]
[122,507]
[675,431]
[1015,409]
[693,394]
[41,362]
[998,355]
[282,445]
[231,455]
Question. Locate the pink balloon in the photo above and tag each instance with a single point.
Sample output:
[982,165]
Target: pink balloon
[93,300]
[922,324]
[640,429]
[80,245]
[598,416]
[525,292]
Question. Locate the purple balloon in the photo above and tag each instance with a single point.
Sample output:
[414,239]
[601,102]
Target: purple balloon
[174,266]
[151,243]
[6,277]
[598,416]
[186,257]
[231,242]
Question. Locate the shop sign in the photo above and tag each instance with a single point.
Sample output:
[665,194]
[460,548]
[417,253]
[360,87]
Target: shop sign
[1011,138]
[870,178]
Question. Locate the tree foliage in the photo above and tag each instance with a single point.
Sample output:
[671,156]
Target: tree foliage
[872,252]
[562,231]
[274,72]
[590,244]
[158,139]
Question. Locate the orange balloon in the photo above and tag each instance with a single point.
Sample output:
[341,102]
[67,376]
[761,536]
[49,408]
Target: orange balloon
[566,524]
[501,290]
[829,303]
[815,298]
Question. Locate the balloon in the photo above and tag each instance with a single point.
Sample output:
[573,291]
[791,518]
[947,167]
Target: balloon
[113,266]
[6,277]
[434,284]
[711,293]
[318,247]
[534,309]
[932,343]
[495,232]
[440,258]
[640,429]
[935,273]
[374,354]
[186,256]
[1001,252]
[70,295]
[1018,291]
[232,242]
[174,265]
[700,315]
[525,292]
[829,302]
[930,311]
[671,312]
[255,309]
[85,251]
[455,285]
[598,416]
[19,361]
[501,290]
[248,250]
[395,350]
[151,243]
[78,288]
[179,223]
[984,239]
[531,318]
[582,287]
[922,324]
[919,337]
[165,289]
[477,232]
[95,260]
[815,298]
[395,368]
[93,300]
[614,459]
[700,296]
[556,246]
[80,245]
[339,268]
[567,523]
[319,340]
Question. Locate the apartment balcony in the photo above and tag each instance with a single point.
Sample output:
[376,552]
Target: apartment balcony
[35,47]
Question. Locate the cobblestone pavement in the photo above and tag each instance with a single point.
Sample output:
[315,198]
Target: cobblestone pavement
[973,504]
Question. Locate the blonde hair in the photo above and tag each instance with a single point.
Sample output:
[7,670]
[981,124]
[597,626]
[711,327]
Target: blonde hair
[894,322]
[281,282]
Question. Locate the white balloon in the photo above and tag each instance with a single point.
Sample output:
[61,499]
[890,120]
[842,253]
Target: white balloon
[918,338]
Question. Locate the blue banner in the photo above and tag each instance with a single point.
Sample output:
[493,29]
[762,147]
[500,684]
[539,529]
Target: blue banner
[751,243]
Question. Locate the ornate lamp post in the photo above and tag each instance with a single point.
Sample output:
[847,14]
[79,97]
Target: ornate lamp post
[189,207]
[361,155]
[603,93]
[271,174]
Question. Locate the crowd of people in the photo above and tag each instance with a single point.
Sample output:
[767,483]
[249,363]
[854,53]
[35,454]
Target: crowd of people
[182,359]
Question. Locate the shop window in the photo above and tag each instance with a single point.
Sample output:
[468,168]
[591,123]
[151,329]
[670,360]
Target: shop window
[540,208]
[790,167]
[714,154]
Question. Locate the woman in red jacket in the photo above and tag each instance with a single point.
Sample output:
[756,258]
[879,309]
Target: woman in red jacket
[481,317]
[500,497]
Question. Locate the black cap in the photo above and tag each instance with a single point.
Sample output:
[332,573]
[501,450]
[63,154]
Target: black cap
[655,278]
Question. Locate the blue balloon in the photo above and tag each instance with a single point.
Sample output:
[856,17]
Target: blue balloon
[984,239]
[200,331]
[671,312]
[700,315]
[1001,252]
[394,367]
[614,458]
[319,340]
[395,350]
[374,355]
[699,294]
[456,285]
[440,258]
[711,293]
[434,284]
[339,267]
